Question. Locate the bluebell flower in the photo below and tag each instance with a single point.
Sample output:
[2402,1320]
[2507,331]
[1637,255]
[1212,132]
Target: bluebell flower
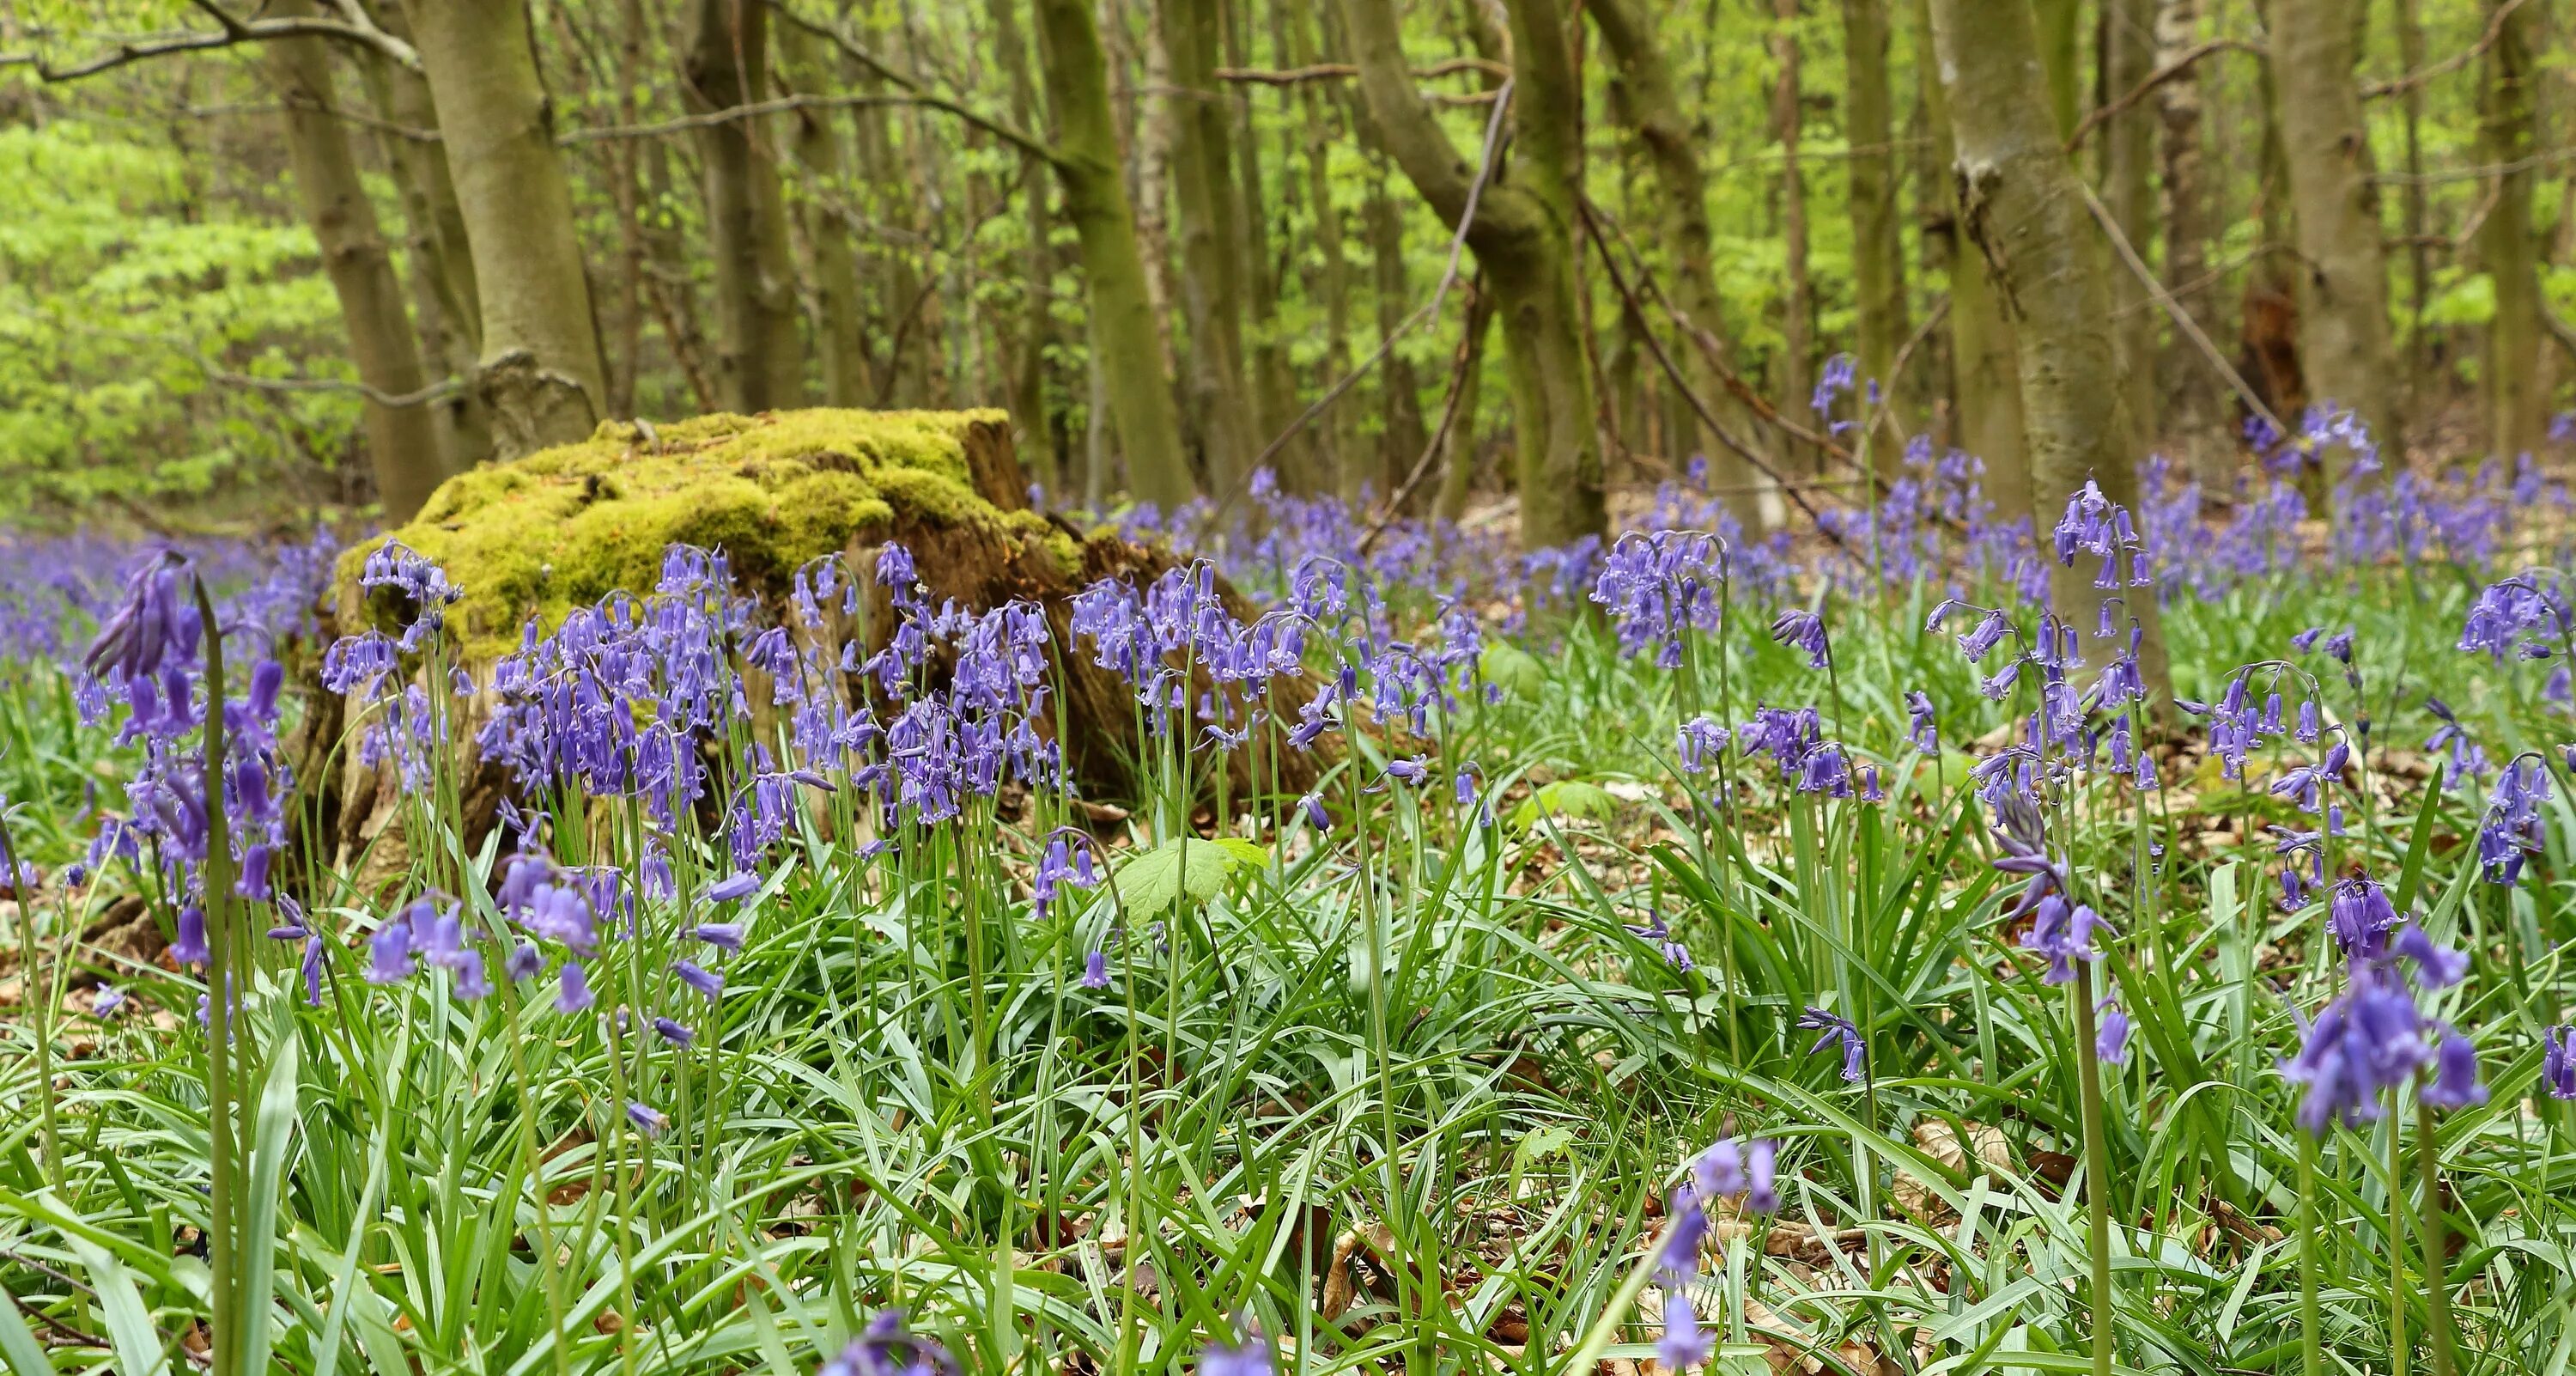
[2063,932]
[1683,1344]
[1658,934]
[2455,1082]
[733,887]
[2111,1033]
[1836,1027]
[708,983]
[389,953]
[677,1034]
[650,1121]
[724,936]
[190,946]
[1250,1357]
[2361,917]
[1803,630]
[1699,742]
[572,989]
[1920,729]
[2557,1062]
[887,1348]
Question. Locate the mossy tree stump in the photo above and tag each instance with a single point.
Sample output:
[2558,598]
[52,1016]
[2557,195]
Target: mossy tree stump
[565,527]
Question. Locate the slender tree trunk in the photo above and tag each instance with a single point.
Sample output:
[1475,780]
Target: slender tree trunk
[402,441]
[1878,248]
[1458,450]
[1213,264]
[448,314]
[1401,435]
[1797,319]
[540,368]
[2415,212]
[2343,269]
[760,359]
[2517,406]
[625,354]
[2128,188]
[1523,232]
[1037,259]
[1126,345]
[2193,417]
[1655,115]
[1985,368]
[2060,23]
[2023,208]
[1332,433]
[840,324]
[1274,391]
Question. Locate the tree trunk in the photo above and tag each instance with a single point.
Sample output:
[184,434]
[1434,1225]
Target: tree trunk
[540,367]
[1655,115]
[2060,23]
[1458,449]
[1878,249]
[2023,208]
[840,325]
[402,441]
[1213,264]
[2190,388]
[1523,233]
[1274,391]
[1126,344]
[2128,188]
[1797,330]
[2343,270]
[2416,213]
[1333,433]
[1037,258]
[1401,436]
[1984,368]
[760,359]
[2517,406]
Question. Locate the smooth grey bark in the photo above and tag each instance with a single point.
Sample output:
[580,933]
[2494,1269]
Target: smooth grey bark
[1213,264]
[2517,405]
[1878,249]
[2343,267]
[840,321]
[2193,414]
[1985,370]
[760,353]
[402,441]
[540,366]
[2128,191]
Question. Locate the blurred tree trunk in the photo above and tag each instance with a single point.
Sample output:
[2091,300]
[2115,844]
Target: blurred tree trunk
[2189,387]
[2517,407]
[402,441]
[1654,113]
[1037,258]
[2023,207]
[540,367]
[2060,23]
[2128,191]
[2415,213]
[1213,262]
[626,188]
[1984,367]
[1126,343]
[840,324]
[2343,268]
[1523,232]
[1274,391]
[1330,435]
[760,357]
[1458,450]
[1792,375]
[1401,436]
[1878,247]
[448,316]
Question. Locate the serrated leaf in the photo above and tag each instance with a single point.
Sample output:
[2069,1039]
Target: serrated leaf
[1565,798]
[1155,880]
[1540,1144]
[1242,852]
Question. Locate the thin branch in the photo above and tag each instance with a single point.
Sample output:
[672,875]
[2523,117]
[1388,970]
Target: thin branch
[2154,79]
[2181,318]
[436,391]
[2470,174]
[1427,310]
[1344,71]
[231,31]
[410,132]
[1470,355]
[2457,60]
[1682,387]
[999,128]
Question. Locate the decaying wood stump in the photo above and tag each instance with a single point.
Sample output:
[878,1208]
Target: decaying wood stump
[567,526]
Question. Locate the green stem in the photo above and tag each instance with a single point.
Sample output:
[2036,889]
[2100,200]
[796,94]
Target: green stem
[2311,1361]
[2437,1262]
[216,882]
[2097,1165]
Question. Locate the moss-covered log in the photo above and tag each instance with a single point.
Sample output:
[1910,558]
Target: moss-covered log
[567,526]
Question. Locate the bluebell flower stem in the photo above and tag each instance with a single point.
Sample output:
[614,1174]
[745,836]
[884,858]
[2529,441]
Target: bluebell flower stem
[2437,1282]
[2311,1360]
[2400,1355]
[2097,1166]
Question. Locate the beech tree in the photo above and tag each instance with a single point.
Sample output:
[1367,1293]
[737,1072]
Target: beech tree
[2343,267]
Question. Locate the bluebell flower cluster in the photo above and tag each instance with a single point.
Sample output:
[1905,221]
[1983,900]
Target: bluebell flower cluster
[1728,1170]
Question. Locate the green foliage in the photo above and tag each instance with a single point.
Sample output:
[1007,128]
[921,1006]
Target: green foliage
[121,298]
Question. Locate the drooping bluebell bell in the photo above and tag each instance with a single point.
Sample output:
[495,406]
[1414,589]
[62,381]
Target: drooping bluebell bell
[1835,1027]
[1248,1357]
[189,948]
[2062,931]
[1700,742]
[1803,630]
[708,983]
[152,625]
[2558,1062]
[2361,917]
[2111,1032]
[2455,1083]
[1659,934]
[389,953]
[1920,730]
[2363,1044]
[310,966]
[1095,970]
[572,989]
[887,1348]
[676,1033]
[1683,1344]
[2466,760]
[724,936]
[2510,833]
[650,1121]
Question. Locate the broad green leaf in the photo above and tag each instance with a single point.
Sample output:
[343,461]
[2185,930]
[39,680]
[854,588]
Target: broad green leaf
[275,1129]
[1156,879]
[1566,798]
[129,1323]
[1515,670]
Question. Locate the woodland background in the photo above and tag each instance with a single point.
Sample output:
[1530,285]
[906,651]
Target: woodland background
[263,266]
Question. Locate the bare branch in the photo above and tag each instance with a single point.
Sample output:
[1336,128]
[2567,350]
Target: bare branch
[2154,79]
[2457,60]
[1344,71]
[436,391]
[2181,318]
[230,32]
[915,93]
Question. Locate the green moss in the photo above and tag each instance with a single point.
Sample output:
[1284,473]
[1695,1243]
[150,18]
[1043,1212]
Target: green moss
[568,525]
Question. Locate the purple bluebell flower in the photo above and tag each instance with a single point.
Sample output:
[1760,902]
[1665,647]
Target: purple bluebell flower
[2063,932]
[650,1121]
[2362,1045]
[311,968]
[1835,1027]
[737,886]
[887,1348]
[106,1001]
[1920,729]
[724,936]
[1728,1170]
[2111,1034]
[677,1034]
[1700,742]
[2511,831]
[1803,630]
[1095,970]
[1683,1345]
[1659,934]
[1251,1357]
[708,983]
[2361,917]
[572,989]
[2557,1062]
[190,946]
[389,953]
[525,962]
[470,983]
[2436,966]
[2455,1083]
[151,625]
